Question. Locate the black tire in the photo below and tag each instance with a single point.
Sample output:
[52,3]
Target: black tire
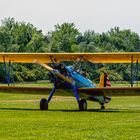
[102,107]
[82,105]
[43,104]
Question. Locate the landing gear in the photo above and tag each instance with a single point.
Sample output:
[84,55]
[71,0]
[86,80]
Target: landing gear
[102,107]
[43,104]
[82,105]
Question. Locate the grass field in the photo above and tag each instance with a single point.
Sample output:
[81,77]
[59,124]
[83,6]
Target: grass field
[21,119]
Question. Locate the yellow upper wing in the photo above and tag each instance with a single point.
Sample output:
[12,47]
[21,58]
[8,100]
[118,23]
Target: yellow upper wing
[119,57]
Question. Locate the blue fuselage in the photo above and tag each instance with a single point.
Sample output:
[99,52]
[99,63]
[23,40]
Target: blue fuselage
[83,82]
[80,81]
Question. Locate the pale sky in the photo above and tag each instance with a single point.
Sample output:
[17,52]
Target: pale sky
[97,15]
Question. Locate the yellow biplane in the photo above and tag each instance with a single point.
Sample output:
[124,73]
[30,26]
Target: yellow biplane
[67,77]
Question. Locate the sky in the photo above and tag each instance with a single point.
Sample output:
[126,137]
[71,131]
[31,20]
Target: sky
[97,15]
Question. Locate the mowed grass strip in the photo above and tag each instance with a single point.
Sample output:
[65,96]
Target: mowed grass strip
[21,119]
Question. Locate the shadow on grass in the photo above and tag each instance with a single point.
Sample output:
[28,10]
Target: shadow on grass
[26,109]
[89,110]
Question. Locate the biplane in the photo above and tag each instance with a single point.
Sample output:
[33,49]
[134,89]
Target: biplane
[69,78]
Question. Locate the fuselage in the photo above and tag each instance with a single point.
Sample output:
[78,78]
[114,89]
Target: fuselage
[79,81]
[83,82]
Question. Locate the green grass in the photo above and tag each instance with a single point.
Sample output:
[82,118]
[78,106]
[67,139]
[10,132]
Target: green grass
[36,83]
[21,119]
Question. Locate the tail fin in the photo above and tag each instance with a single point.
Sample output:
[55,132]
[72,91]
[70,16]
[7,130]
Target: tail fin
[105,82]
[102,79]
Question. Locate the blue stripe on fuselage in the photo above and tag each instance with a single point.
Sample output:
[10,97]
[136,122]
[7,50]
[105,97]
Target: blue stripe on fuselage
[80,81]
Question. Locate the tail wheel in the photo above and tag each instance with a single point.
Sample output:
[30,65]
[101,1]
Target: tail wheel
[43,104]
[102,107]
[82,105]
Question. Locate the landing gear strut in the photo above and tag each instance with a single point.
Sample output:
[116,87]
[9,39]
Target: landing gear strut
[45,103]
[82,105]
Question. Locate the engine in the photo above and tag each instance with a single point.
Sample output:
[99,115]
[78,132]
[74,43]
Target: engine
[55,79]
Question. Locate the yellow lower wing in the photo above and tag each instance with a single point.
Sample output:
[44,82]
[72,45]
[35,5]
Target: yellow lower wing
[111,91]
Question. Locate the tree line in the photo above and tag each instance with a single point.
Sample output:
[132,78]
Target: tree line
[24,37]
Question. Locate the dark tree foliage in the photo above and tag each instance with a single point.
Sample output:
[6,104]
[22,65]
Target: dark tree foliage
[115,40]
[24,37]
[62,39]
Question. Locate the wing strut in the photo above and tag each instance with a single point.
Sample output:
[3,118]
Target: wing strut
[137,71]
[78,62]
[7,70]
[132,71]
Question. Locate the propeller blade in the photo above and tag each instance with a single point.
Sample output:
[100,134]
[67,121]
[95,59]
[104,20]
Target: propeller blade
[56,72]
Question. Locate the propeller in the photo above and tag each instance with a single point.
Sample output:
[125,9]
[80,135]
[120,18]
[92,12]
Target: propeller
[56,73]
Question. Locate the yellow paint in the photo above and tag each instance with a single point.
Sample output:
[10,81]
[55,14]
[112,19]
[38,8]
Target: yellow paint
[118,57]
[101,84]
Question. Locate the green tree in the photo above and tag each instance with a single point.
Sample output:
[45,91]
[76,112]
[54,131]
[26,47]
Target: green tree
[22,37]
[88,42]
[5,40]
[63,37]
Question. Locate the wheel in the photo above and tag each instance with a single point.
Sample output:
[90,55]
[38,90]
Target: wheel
[43,104]
[82,105]
[103,107]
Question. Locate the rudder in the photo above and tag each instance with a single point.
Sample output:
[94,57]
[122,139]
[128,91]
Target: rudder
[105,82]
